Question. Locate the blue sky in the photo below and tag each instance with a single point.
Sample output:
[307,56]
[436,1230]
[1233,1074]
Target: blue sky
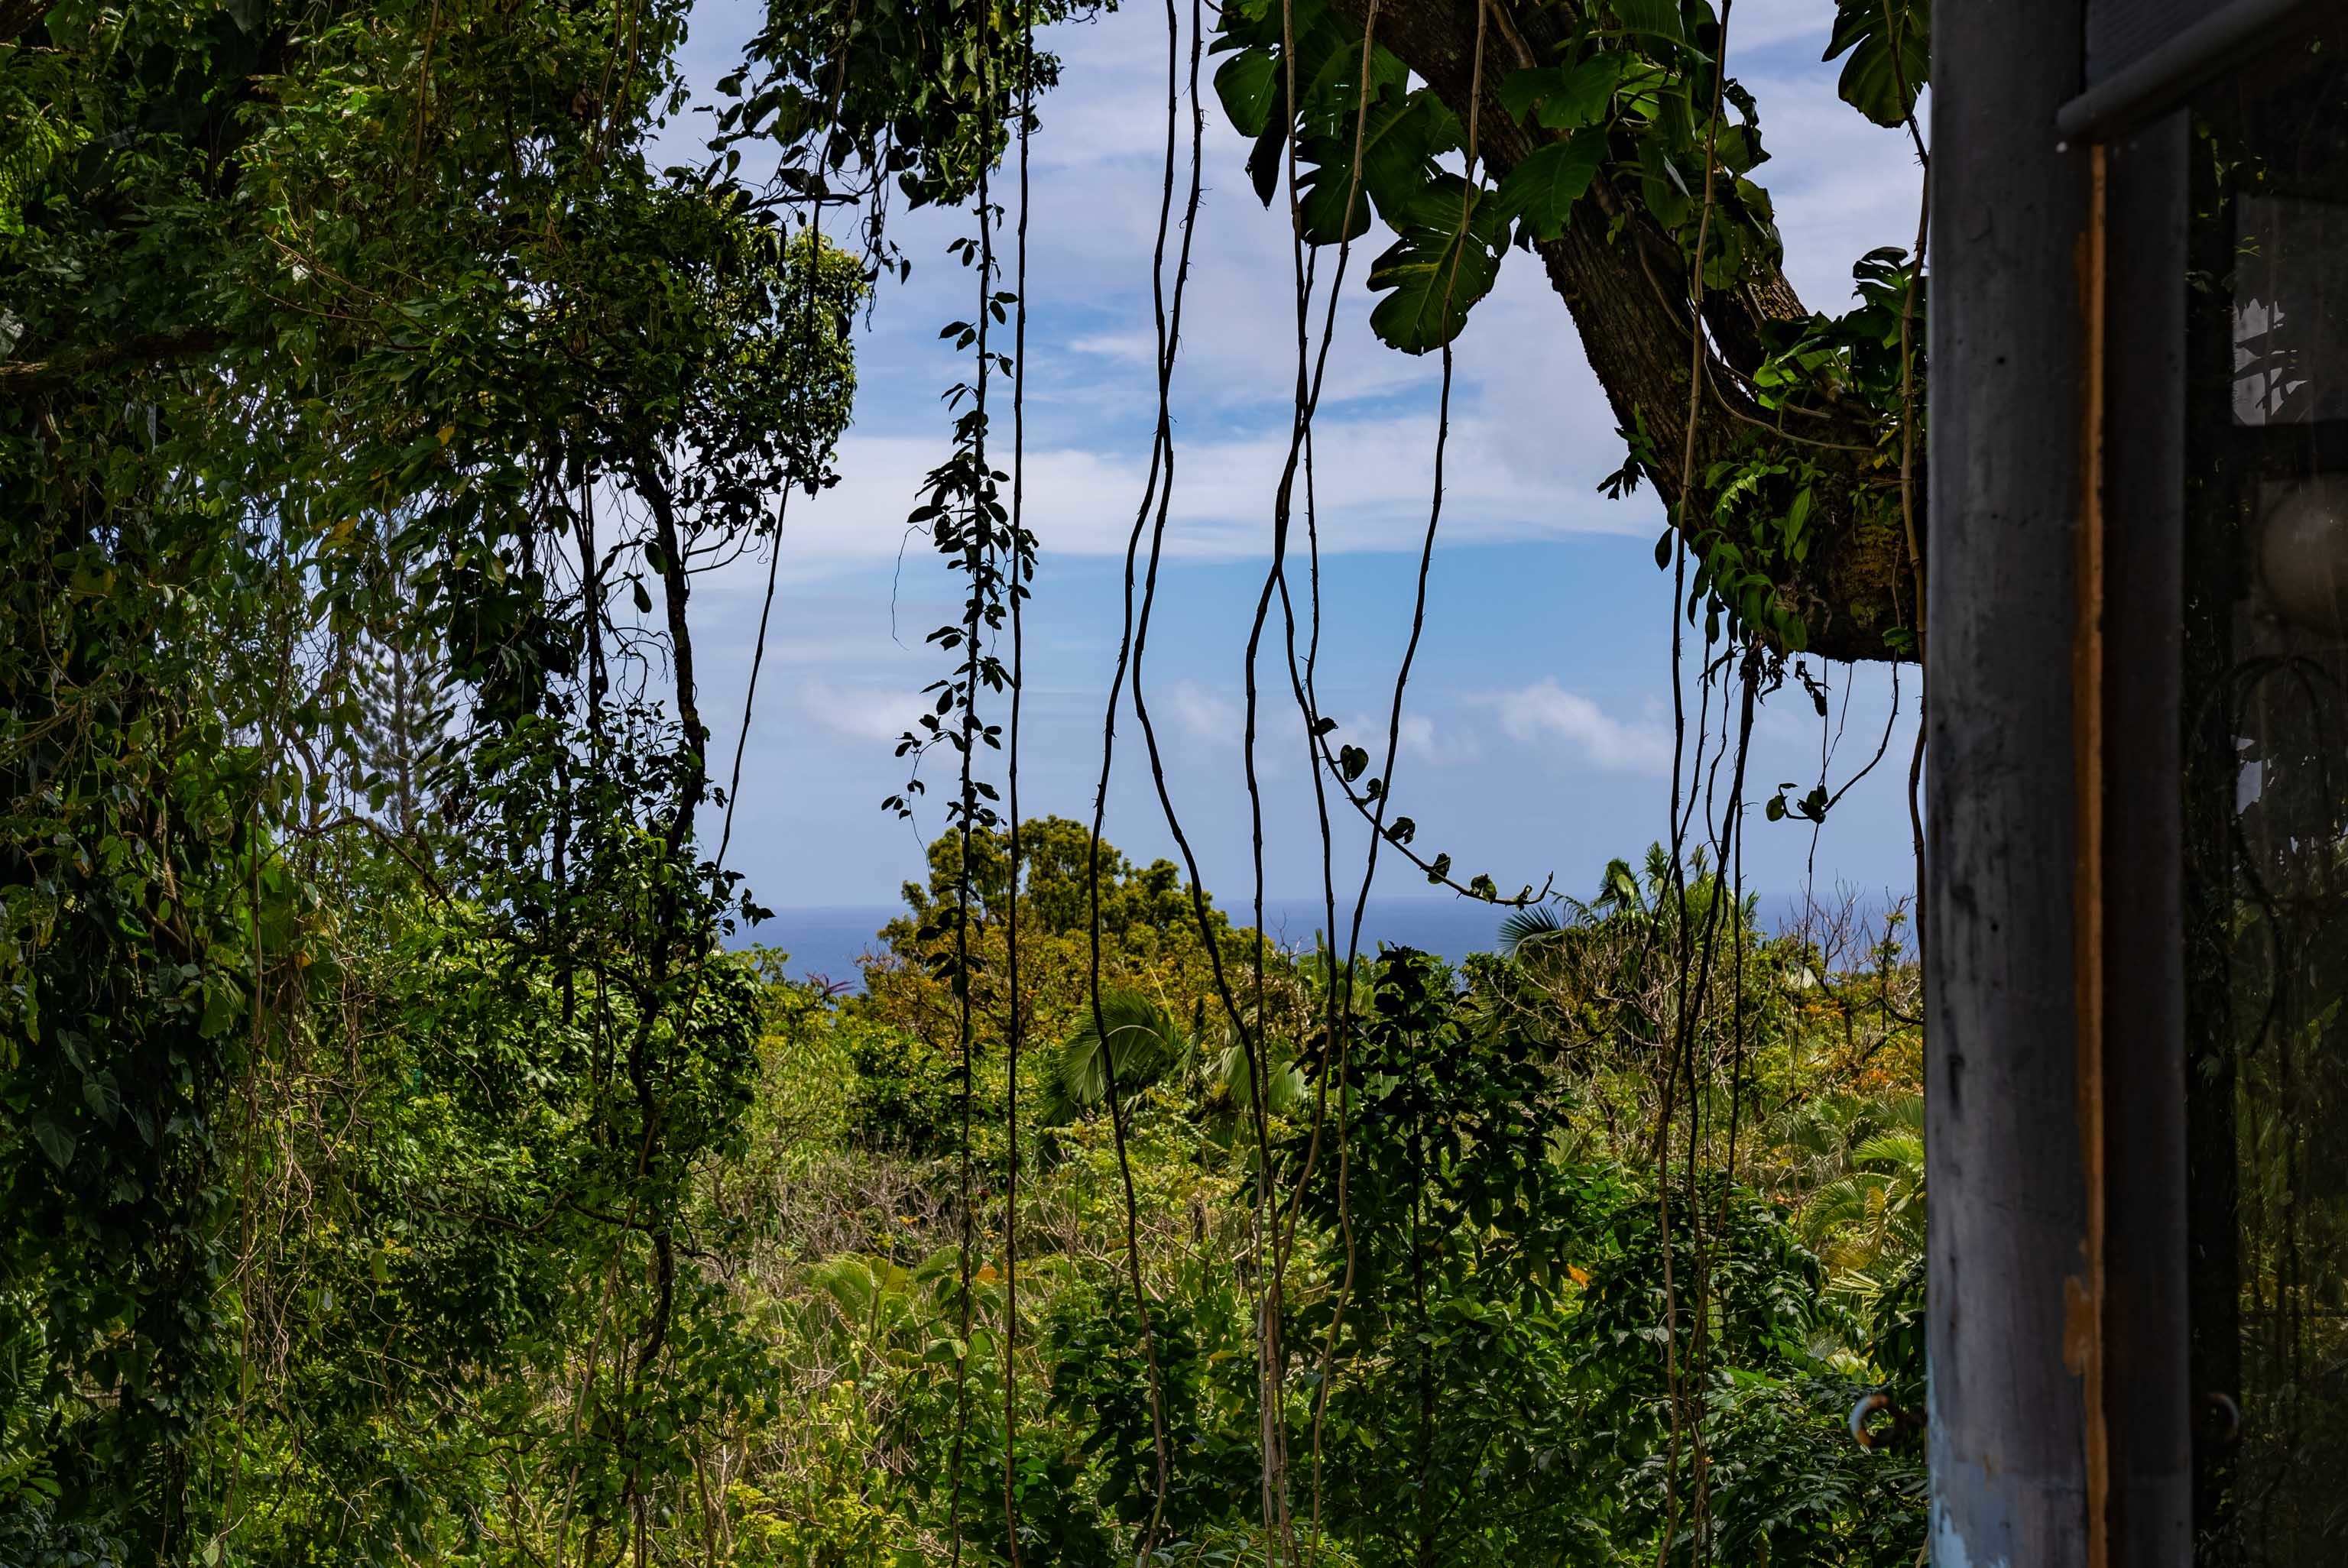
[1537,735]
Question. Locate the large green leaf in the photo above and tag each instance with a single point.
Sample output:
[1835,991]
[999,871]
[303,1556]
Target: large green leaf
[1565,97]
[1651,18]
[1254,83]
[1401,137]
[1879,81]
[1434,273]
[1144,1044]
[1541,190]
[1249,84]
[54,1142]
[1738,149]
[1321,205]
[1665,188]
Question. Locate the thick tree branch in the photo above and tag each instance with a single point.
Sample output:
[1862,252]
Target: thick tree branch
[18,17]
[1624,279]
[32,374]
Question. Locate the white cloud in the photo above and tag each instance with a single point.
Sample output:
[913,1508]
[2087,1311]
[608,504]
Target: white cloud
[1203,715]
[1761,24]
[1373,481]
[1416,739]
[1132,348]
[1209,726]
[1417,735]
[860,713]
[1532,433]
[1840,185]
[1547,712]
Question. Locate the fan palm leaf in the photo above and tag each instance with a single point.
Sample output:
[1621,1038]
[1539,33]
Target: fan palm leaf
[1131,1033]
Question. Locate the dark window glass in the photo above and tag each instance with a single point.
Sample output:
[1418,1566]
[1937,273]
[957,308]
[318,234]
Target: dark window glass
[2266,717]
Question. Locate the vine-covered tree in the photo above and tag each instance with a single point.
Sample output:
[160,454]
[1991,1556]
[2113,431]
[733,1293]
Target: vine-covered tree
[1608,138]
[323,331]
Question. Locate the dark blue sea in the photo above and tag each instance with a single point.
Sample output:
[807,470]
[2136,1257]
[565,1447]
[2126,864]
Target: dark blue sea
[827,943]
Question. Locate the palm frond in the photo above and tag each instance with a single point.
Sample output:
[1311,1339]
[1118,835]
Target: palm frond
[1534,926]
[1231,1083]
[1143,1042]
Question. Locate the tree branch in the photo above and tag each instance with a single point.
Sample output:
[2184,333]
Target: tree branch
[1610,267]
[18,17]
[150,348]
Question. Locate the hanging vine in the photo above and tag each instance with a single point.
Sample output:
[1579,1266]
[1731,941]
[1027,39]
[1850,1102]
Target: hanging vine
[427,1074]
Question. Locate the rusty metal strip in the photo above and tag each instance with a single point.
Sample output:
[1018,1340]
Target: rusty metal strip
[2084,1337]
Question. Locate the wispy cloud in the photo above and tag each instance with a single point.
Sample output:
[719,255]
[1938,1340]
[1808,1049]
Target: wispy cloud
[1203,715]
[1374,479]
[1416,739]
[1761,24]
[860,713]
[1546,711]
[1532,433]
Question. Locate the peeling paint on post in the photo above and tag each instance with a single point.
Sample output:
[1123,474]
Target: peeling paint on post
[1949,1549]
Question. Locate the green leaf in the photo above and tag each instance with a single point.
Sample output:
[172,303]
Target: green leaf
[1878,80]
[1521,92]
[1432,287]
[1249,84]
[1565,97]
[1651,18]
[100,1093]
[222,1005]
[1401,139]
[1436,271]
[1321,207]
[54,1142]
[1738,149]
[1663,187]
[1542,190]
[1267,159]
[1583,94]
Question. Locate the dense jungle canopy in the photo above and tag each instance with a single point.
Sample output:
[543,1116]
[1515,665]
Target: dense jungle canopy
[407,1155]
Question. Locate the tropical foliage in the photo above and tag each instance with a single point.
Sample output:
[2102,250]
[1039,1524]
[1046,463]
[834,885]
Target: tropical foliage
[405,1155]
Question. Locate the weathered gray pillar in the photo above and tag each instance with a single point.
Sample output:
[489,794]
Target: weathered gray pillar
[2008,1189]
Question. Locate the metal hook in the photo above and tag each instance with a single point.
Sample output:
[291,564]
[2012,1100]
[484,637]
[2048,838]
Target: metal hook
[1874,1400]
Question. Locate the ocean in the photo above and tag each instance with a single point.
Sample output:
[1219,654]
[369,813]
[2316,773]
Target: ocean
[826,943]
